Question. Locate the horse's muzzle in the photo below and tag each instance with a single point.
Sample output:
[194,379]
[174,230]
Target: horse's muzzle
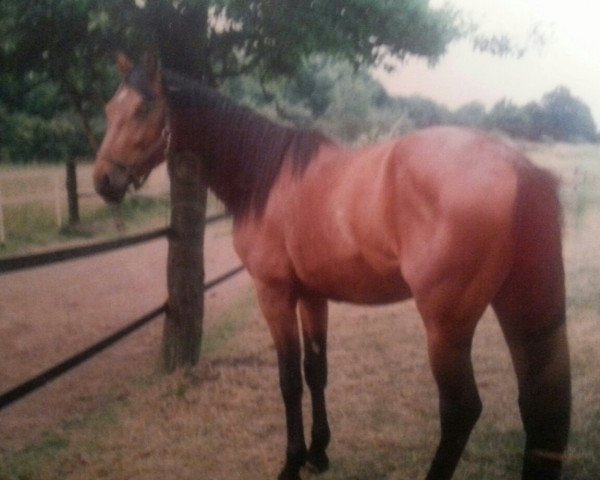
[111,185]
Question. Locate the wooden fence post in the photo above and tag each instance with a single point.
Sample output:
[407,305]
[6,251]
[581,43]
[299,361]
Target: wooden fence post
[182,333]
[72,196]
[2,231]
[57,201]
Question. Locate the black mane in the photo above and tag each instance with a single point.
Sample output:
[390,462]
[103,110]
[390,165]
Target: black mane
[243,150]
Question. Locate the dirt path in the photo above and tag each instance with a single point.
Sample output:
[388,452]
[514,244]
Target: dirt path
[50,313]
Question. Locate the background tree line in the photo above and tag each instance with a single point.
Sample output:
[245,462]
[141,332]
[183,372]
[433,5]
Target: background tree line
[352,106]
[302,62]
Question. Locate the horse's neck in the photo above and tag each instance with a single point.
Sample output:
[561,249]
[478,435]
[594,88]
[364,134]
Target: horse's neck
[242,150]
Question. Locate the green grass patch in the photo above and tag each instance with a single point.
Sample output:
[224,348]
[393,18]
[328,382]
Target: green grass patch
[34,227]
[32,223]
[492,453]
[97,420]
[584,449]
[28,464]
[227,327]
[44,459]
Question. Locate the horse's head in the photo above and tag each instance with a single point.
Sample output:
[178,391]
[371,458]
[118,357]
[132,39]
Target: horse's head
[135,139]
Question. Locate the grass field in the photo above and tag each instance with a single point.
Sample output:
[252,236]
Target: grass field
[223,420]
[30,213]
[30,217]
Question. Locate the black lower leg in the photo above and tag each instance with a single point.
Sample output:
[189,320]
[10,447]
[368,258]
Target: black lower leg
[291,389]
[317,459]
[315,368]
[545,405]
[460,405]
[313,314]
[457,421]
[546,424]
[296,448]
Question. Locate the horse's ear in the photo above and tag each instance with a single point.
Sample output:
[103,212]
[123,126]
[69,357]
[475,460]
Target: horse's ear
[124,65]
[151,65]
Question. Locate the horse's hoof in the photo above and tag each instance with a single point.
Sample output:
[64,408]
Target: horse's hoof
[291,471]
[286,475]
[317,462]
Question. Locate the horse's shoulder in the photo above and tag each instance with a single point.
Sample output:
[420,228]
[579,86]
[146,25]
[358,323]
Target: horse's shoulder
[260,245]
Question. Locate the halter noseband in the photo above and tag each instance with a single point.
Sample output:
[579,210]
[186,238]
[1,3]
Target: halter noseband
[136,179]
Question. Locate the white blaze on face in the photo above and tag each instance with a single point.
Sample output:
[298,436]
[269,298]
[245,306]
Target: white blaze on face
[120,98]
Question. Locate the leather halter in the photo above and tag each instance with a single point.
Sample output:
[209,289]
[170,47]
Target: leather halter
[135,178]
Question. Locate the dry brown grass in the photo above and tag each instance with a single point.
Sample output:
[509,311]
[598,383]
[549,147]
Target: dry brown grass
[223,420]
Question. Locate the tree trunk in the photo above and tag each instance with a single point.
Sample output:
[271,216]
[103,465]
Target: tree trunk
[182,333]
[87,130]
[72,196]
[77,100]
[182,36]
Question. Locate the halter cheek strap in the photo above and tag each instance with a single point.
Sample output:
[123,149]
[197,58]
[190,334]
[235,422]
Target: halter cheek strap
[138,179]
[166,135]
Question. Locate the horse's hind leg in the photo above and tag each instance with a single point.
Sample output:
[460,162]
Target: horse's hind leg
[541,360]
[451,296]
[313,316]
[531,310]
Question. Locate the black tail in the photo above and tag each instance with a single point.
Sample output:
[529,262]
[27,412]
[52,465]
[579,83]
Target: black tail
[537,278]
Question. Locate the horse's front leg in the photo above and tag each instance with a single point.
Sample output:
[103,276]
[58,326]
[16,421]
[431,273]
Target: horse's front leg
[278,305]
[313,316]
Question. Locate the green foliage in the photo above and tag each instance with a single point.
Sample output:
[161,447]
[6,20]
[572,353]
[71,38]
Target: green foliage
[35,120]
[33,137]
[275,36]
[305,62]
[348,104]
[472,114]
[566,117]
[338,99]
[424,112]
[57,55]
[56,58]
[509,118]
[559,116]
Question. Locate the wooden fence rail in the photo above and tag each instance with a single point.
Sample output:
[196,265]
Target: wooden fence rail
[185,276]
[19,263]
[12,264]
[37,382]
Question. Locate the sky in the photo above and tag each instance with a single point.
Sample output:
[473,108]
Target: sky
[570,56]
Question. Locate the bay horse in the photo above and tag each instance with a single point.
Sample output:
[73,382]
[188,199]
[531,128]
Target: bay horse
[451,217]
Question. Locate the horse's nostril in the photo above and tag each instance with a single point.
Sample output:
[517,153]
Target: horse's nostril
[107,190]
[101,184]
[104,182]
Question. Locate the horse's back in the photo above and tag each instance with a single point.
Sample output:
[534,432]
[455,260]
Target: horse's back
[392,220]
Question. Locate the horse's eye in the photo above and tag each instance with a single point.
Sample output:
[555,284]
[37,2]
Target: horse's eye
[143,110]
